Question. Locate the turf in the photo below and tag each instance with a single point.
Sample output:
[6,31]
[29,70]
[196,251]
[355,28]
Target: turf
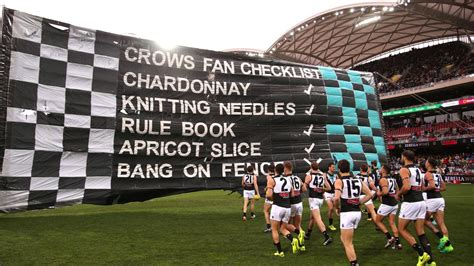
[201,228]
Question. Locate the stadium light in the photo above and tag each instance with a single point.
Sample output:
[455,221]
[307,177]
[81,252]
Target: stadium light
[322,18]
[291,33]
[373,8]
[391,9]
[385,8]
[352,10]
[337,13]
[362,9]
[368,21]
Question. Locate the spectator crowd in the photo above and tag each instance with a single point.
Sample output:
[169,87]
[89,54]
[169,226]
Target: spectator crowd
[422,66]
[457,164]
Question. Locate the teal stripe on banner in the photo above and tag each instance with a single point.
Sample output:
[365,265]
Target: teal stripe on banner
[374,118]
[369,89]
[328,73]
[365,131]
[350,138]
[335,129]
[334,100]
[345,85]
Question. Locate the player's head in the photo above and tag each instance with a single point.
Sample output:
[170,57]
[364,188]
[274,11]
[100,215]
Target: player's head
[423,166]
[288,167]
[314,166]
[374,164]
[431,164]
[271,168]
[331,167]
[279,169]
[250,169]
[344,166]
[408,157]
[364,168]
[385,170]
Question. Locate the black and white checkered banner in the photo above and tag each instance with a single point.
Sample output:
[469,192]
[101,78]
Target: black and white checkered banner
[93,117]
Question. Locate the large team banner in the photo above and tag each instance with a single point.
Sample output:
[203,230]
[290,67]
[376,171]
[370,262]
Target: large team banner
[88,116]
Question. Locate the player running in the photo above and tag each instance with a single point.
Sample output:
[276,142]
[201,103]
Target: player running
[249,183]
[316,183]
[348,191]
[330,176]
[296,204]
[268,203]
[413,208]
[368,181]
[387,190]
[279,190]
[435,205]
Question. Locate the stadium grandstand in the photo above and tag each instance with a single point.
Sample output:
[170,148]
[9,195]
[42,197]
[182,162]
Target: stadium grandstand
[421,54]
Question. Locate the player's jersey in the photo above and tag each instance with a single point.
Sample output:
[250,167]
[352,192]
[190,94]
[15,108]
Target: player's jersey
[281,191]
[297,184]
[351,191]
[331,179]
[435,193]
[248,182]
[316,185]
[365,178]
[416,183]
[389,199]
[375,176]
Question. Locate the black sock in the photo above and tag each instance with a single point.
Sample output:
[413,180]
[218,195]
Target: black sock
[388,235]
[397,240]
[426,245]
[330,221]
[289,237]
[354,263]
[418,249]
[268,226]
[252,214]
[325,234]
[448,243]
[439,234]
[278,246]
[309,231]
[245,214]
[297,231]
[369,215]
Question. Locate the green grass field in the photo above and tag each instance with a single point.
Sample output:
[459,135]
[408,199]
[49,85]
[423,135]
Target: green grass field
[201,228]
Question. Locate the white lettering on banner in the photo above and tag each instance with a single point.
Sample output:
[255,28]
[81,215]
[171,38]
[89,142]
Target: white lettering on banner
[145,126]
[192,170]
[277,71]
[278,109]
[202,130]
[155,104]
[239,169]
[215,65]
[162,148]
[179,84]
[146,171]
[159,58]
[229,150]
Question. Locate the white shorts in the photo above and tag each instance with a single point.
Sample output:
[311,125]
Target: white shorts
[349,220]
[280,214]
[386,210]
[434,205]
[296,209]
[267,201]
[249,194]
[328,196]
[413,210]
[369,202]
[424,195]
[315,203]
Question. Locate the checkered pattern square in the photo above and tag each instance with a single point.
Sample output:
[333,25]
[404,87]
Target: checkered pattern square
[62,106]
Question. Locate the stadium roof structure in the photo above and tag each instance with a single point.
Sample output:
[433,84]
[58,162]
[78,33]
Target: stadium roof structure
[348,35]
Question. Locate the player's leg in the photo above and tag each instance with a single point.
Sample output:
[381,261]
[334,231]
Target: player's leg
[244,209]
[379,223]
[445,244]
[275,225]
[310,227]
[252,208]
[266,212]
[371,212]
[286,229]
[393,226]
[322,228]
[420,231]
[330,213]
[346,238]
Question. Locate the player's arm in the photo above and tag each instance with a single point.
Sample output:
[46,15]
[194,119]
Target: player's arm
[307,180]
[366,191]
[270,186]
[327,187]
[405,176]
[371,183]
[337,193]
[442,185]
[255,184]
[384,187]
[303,186]
[431,183]
[243,177]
